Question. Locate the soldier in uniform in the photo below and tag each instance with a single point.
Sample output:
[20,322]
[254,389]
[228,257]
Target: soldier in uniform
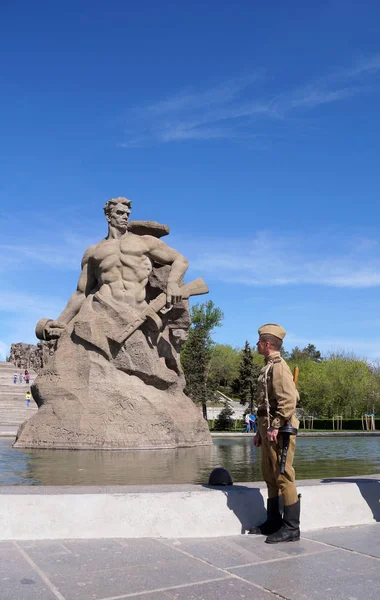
[276,401]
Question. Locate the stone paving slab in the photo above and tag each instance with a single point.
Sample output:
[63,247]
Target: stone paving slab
[18,579]
[227,589]
[364,539]
[104,568]
[228,552]
[337,575]
[338,564]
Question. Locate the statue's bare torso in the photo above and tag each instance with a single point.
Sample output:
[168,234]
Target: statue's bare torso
[117,269]
[121,269]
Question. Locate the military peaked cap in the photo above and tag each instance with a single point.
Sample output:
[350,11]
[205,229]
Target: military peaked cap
[273,329]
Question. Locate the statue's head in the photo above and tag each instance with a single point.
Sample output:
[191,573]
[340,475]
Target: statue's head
[117,211]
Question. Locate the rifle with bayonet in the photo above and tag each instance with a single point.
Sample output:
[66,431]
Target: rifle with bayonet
[110,325]
[194,288]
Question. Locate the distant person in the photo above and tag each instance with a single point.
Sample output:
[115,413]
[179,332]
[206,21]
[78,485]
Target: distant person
[27,398]
[21,377]
[15,378]
[247,421]
[252,422]
[27,377]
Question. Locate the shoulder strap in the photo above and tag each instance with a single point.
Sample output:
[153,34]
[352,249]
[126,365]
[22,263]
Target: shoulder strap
[268,367]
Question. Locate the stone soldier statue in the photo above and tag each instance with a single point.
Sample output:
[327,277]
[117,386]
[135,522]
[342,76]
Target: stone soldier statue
[277,399]
[115,274]
[114,378]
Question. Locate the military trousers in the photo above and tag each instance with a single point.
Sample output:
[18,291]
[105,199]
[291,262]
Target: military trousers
[278,484]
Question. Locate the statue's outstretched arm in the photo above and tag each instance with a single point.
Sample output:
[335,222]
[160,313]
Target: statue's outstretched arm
[87,282]
[163,254]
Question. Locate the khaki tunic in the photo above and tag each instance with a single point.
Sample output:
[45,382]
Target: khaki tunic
[282,397]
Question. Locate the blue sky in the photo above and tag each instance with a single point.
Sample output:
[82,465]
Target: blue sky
[251,128]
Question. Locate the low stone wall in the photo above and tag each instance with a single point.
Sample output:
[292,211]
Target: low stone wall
[182,511]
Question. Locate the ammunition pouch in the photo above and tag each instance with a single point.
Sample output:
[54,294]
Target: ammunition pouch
[262,412]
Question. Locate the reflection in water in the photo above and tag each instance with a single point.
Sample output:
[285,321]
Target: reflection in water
[316,458]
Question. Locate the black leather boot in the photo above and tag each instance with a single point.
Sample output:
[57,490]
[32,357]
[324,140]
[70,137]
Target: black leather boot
[273,522]
[290,530]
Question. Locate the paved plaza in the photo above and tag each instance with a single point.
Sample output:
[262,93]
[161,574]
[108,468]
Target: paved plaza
[330,564]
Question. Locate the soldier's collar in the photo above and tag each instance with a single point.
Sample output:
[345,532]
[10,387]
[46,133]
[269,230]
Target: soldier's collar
[271,357]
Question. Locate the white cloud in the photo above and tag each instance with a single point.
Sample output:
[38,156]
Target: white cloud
[234,108]
[54,256]
[271,259]
[65,252]
[23,303]
[366,349]
[20,312]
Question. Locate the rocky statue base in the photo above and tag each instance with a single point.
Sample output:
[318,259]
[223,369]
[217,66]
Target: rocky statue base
[86,402]
[113,379]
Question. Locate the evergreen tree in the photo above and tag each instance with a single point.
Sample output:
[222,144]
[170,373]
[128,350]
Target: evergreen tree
[224,420]
[308,353]
[196,352]
[246,384]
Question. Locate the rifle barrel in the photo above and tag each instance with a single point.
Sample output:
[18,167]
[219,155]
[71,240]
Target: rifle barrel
[296,373]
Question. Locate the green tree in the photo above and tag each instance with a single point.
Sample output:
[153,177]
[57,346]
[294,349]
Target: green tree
[310,352]
[224,420]
[224,365]
[313,387]
[245,386]
[341,384]
[196,352]
[353,387]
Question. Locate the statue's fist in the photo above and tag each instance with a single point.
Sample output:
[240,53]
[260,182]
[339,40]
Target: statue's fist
[55,328]
[173,294]
[47,329]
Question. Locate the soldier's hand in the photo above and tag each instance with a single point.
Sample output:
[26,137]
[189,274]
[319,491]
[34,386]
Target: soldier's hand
[272,434]
[257,440]
[173,294]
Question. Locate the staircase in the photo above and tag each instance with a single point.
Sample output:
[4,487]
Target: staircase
[13,409]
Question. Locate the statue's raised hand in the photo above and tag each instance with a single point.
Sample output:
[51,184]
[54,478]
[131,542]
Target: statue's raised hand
[173,294]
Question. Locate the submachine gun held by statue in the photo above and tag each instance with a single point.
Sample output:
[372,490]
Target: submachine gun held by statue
[287,430]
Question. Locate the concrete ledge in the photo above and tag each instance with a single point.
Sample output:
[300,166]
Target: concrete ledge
[8,430]
[302,433]
[11,431]
[175,511]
